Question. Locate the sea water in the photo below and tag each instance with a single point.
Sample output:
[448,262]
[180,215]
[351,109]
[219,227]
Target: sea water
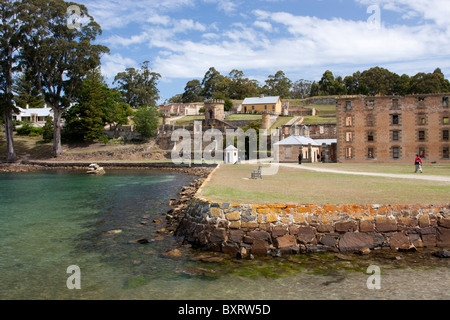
[53,220]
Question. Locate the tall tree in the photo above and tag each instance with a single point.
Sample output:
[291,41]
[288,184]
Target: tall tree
[210,83]
[138,86]
[84,120]
[241,87]
[59,56]
[192,92]
[301,89]
[278,85]
[326,83]
[12,32]
[26,92]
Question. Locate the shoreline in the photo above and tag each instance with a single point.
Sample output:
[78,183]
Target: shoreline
[35,165]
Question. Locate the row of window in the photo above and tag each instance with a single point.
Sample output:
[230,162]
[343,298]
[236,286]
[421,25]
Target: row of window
[395,152]
[395,103]
[395,120]
[396,134]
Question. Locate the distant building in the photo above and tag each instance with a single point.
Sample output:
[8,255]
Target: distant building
[262,104]
[37,116]
[186,109]
[323,150]
[392,129]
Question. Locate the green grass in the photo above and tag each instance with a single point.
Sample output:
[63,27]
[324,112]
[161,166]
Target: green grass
[231,183]
[429,169]
[188,120]
[281,121]
[319,120]
[244,117]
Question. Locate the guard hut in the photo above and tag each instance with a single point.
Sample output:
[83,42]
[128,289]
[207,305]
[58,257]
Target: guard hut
[231,155]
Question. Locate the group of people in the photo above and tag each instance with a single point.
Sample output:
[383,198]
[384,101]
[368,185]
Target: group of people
[418,162]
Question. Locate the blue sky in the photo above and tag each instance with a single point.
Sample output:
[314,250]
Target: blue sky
[182,39]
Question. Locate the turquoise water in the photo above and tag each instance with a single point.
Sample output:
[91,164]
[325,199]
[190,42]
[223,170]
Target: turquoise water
[52,220]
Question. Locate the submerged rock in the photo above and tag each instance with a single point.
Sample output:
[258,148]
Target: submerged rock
[174,253]
[443,253]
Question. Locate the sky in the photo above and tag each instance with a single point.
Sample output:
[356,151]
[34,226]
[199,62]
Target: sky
[182,39]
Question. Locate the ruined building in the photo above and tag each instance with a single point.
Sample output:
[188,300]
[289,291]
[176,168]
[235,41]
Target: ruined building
[393,129]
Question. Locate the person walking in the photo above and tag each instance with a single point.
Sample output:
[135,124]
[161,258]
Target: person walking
[300,157]
[418,163]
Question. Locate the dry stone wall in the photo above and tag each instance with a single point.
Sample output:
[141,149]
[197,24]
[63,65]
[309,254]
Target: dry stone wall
[274,229]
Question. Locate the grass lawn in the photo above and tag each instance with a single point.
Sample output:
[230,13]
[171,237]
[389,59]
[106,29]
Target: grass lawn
[244,117]
[401,168]
[188,120]
[281,121]
[32,146]
[231,183]
[319,120]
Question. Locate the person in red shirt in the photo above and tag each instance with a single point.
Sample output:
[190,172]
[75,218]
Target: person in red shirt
[418,163]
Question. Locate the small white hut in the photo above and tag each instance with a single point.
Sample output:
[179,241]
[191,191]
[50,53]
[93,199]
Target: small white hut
[231,155]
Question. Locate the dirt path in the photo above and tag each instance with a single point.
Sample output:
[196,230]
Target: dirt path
[417,176]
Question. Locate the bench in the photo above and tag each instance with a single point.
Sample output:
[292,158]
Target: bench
[257,173]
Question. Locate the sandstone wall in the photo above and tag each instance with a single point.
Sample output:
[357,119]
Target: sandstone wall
[273,229]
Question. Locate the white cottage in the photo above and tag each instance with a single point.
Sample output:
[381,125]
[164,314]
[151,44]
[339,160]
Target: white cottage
[231,155]
[35,115]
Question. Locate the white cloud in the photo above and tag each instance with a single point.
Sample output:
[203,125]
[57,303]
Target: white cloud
[306,42]
[115,63]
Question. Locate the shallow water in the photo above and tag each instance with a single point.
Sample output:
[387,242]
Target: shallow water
[52,220]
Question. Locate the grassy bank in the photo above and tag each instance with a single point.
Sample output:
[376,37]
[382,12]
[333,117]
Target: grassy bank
[231,183]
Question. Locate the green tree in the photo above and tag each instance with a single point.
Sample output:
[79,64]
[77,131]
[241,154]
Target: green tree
[211,82]
[138,87]
[47,132]
[26,93]
[59,57]
[326,84]
[278,85]
[146,121]
[193,92]
[84,121]
[379,81]
[301,89]
[12,33]
[115,111]
[228,103]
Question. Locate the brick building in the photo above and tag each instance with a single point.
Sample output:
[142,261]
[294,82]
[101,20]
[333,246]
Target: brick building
[393,129]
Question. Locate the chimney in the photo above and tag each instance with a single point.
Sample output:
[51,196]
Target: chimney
[262,95]
[26,107]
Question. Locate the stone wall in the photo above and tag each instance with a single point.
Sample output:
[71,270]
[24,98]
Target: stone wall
[275,229]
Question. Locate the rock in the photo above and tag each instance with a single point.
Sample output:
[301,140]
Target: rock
[346,226]
[140,241]
[157,221]
[285,241]
[399,241]
[174,253]
[411,248]
[364,251]
[242,254]
[443,237]
[443,253]
[306,234]
[113,232]
[162,230]
[259,247]
[385,224]
[356,241]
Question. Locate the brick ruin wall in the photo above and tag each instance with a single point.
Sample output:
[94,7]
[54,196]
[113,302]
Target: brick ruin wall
[273,229]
